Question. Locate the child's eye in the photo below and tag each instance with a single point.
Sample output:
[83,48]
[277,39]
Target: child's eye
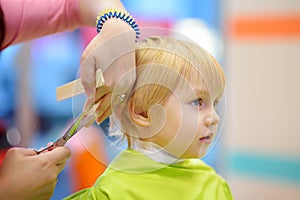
[197,102]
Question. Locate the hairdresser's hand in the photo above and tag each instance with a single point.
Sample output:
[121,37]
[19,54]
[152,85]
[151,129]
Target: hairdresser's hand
[112,51]
[25,175]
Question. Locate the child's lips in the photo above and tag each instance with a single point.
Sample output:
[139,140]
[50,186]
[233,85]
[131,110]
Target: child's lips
[206,139]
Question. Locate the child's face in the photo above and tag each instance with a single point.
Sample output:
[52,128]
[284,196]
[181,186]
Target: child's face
[191,122]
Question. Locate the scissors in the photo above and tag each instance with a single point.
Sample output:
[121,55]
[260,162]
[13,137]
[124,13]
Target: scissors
[84,119]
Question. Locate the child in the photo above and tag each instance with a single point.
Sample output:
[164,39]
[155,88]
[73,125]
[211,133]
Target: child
[170,121]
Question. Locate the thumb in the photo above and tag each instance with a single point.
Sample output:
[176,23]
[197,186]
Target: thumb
[58,155]
[88,76]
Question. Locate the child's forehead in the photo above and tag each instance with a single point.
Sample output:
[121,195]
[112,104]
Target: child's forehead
[192,86]
[195,88]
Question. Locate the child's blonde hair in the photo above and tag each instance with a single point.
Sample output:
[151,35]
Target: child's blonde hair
[160,62]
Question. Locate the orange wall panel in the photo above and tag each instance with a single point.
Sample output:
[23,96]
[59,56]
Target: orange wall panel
[264,26]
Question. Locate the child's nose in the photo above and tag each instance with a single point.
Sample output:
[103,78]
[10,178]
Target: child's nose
[212,117]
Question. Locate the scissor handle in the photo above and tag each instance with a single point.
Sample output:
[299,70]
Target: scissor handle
[48,148]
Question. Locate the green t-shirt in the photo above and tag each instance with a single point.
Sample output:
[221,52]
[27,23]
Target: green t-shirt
[133,175]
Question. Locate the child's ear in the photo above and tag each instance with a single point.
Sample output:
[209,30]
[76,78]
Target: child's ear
[148,124]
[139,118]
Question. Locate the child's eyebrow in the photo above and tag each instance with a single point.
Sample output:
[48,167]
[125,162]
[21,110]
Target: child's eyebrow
[199,92]
[196,94]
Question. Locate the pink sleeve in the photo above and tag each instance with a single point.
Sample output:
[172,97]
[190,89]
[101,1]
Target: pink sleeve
[28,19]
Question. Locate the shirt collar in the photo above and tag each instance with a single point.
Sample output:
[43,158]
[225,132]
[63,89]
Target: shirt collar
[155,152]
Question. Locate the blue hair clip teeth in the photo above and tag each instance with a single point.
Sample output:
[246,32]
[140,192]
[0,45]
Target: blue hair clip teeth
[108,13]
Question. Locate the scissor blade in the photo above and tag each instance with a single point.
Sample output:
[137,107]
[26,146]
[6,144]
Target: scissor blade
[83,120]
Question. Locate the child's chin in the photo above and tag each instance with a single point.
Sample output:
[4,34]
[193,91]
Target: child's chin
[194,155]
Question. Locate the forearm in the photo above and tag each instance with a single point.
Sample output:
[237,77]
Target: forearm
[89,9]
[25,20]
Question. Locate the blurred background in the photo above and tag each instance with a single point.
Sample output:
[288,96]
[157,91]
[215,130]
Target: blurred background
[256,41]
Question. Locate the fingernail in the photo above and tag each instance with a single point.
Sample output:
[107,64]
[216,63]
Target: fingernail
[90,93]
[98,121]
[90,98]
[86,105]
